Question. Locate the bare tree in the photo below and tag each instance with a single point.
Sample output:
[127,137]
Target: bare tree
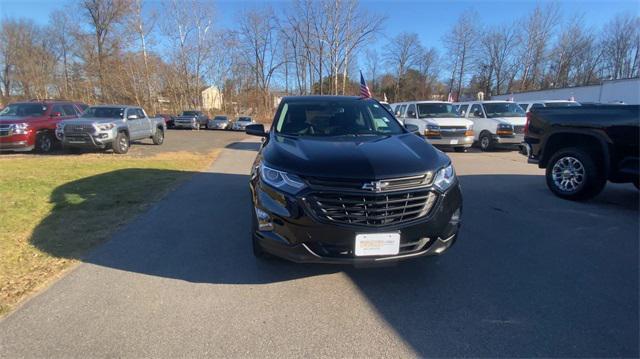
[497,54]
[621,45]
[459,44]
[401,53]
[104,16]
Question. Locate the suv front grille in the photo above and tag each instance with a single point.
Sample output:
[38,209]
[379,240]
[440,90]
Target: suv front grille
[71,129]
[372,209]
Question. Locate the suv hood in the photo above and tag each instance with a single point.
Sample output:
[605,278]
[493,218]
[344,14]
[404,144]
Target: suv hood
[448,121]
[366,157]
[516,121]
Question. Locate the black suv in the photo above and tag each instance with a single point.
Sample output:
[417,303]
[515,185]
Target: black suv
[340,180]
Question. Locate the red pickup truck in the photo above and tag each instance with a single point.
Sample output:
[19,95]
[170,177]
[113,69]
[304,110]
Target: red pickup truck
[27,126]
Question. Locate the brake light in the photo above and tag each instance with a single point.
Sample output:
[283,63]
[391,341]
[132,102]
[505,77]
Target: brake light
[526,124]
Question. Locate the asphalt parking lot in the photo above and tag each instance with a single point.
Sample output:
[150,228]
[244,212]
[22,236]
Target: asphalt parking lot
[176,140]
[531,275]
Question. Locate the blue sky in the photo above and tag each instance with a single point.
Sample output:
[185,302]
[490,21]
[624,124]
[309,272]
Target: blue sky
[429,19]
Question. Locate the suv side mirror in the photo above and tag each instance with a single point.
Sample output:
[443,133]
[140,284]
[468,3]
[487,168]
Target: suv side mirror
[412,128]
[411,114]
[477,113]
[255,130]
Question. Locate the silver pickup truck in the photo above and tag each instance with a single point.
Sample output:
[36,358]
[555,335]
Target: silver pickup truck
[110,126]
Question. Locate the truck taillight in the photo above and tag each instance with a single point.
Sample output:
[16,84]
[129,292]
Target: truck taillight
[526,124]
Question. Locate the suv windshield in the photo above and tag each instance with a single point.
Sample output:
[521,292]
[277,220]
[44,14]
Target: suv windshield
[24,109]
[436,110]
[104,112]
[220,118]
[245,119]
[324,118]
[190,113]
[503,109]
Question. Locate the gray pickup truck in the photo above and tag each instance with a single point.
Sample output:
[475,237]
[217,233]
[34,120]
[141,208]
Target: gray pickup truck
[194,120]
[110,126]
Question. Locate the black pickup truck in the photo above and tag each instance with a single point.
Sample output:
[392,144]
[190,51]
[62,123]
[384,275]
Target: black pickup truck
[583,147]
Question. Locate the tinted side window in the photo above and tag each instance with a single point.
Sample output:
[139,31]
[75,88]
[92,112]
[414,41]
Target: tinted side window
[411,109]
[476,108]
[69,110]
[523,106]
[536,105]
[462,110]
[402,110]
[140,113]
[57,109]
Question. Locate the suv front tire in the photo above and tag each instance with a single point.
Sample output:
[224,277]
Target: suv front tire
[121,143]
[574,174]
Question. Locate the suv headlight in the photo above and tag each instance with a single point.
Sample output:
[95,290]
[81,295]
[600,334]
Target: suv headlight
[105,126]
[445,177]
[20,128]
[286,182]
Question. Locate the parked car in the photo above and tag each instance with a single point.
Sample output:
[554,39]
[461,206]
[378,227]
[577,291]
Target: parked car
[219,123]
[191,119]
[529,105]
[27,126]
[583,147]
[439,122]
[110,126]
[495,123]
[339,180]
[168,119]
[241,123]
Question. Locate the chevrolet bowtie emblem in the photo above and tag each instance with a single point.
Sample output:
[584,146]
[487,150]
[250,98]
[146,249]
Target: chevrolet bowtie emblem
[375,186]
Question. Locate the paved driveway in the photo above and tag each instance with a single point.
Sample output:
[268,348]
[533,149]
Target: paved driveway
[531,275]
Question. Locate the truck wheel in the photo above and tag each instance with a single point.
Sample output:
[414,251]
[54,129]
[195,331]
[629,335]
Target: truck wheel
[460,149]
[573,174]
[121,143]
[158,137]
[486,141]
[44,142]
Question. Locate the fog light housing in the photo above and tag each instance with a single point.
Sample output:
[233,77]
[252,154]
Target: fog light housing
[264,220]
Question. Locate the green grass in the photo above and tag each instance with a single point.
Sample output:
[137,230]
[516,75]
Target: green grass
[55,208]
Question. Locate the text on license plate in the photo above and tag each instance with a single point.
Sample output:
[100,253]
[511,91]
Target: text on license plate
[377,244]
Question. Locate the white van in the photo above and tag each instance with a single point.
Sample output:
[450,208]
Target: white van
[528,105]
[495,122]
[438,121]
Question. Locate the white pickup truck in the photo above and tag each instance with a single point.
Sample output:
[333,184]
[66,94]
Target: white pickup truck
[495,122]
[438,121]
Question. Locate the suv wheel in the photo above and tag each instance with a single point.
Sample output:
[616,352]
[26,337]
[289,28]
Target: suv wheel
[573,174]
[121,143]
[44,142]
[486,142]
[158,137]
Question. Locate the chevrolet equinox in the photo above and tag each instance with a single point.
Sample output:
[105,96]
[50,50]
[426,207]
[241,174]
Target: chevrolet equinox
[340,180]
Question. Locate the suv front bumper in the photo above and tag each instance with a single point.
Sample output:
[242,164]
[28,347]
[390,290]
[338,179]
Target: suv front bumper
[298,235]
[85,140]
[463,141]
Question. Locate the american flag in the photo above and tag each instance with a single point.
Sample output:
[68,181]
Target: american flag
[364,89]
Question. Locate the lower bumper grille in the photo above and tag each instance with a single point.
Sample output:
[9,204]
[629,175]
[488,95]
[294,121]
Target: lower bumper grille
[518,130]
[372,209]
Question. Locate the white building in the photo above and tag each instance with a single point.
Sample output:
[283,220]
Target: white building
[610,91]
[211,98]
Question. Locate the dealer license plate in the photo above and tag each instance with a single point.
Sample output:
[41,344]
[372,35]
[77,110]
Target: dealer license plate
[377,244]
[454,142]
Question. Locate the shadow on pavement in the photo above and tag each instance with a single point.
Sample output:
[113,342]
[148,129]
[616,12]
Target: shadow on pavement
[531,275]
[244,146]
